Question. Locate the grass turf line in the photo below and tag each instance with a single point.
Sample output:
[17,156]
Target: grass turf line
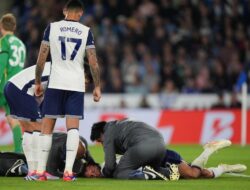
[232,155]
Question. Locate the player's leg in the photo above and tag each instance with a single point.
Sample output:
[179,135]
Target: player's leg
[146,153]
[25,108]
[209,149]
[128,165]
[223,168]
[233,168]
[51,109]
[73,113]
[36,126]
[27,144]
[16,131]
[44,146]
[30,144]
[7,100]
[189,172]
[72,144]
[2,100]
[207,173]
[128,169]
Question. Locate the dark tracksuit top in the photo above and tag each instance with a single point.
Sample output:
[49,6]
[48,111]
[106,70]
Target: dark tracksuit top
[56,160]
[57,156]
[138,142]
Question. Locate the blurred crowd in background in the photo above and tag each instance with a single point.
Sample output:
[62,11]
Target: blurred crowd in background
[155,46]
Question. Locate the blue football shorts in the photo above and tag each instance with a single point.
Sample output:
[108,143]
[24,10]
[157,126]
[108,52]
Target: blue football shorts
[22,105]
[63,103]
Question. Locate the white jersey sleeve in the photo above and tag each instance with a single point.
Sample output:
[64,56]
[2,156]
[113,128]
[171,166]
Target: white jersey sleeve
[25,79]
[68,41]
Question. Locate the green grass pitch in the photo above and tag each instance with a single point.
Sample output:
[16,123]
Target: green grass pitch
[231,155]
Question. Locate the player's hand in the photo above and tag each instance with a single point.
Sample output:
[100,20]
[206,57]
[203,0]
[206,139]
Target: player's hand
[38,90]
[97,94]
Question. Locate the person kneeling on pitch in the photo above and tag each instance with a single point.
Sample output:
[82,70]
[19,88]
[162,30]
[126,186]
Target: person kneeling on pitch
[15,164]
[139,144]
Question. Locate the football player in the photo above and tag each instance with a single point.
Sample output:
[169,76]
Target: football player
[14,164]
[67,41]
[197,168]
[12,56]
[25,107]
[139,144]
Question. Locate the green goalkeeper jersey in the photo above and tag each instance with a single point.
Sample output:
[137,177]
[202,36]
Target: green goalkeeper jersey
[12,58]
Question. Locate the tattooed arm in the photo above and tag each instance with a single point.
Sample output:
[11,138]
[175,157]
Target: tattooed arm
[42,56]
[94,68]
[95,72]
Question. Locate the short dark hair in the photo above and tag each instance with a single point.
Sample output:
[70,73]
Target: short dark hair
[74,4]
[85,165]
[97,130]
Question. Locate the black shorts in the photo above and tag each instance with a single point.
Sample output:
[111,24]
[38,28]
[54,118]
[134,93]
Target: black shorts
[171,157]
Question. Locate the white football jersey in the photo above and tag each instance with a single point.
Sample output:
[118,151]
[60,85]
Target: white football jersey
[68,41]
[25,79]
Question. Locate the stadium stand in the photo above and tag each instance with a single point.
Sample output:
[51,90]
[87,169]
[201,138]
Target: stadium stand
[160,46]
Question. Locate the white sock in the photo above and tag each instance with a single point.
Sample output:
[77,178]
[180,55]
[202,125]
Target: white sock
[218,171]
[202,157]
[27,149]
[44,147]
[35,142]
[71,149]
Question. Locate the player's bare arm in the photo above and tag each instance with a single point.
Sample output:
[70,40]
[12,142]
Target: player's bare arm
[95,72]
[42,56]
[94,68]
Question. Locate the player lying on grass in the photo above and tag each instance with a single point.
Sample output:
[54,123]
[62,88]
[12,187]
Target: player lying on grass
[14,164]
[24,106]
[139,144]
[196,169]
[135,141]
